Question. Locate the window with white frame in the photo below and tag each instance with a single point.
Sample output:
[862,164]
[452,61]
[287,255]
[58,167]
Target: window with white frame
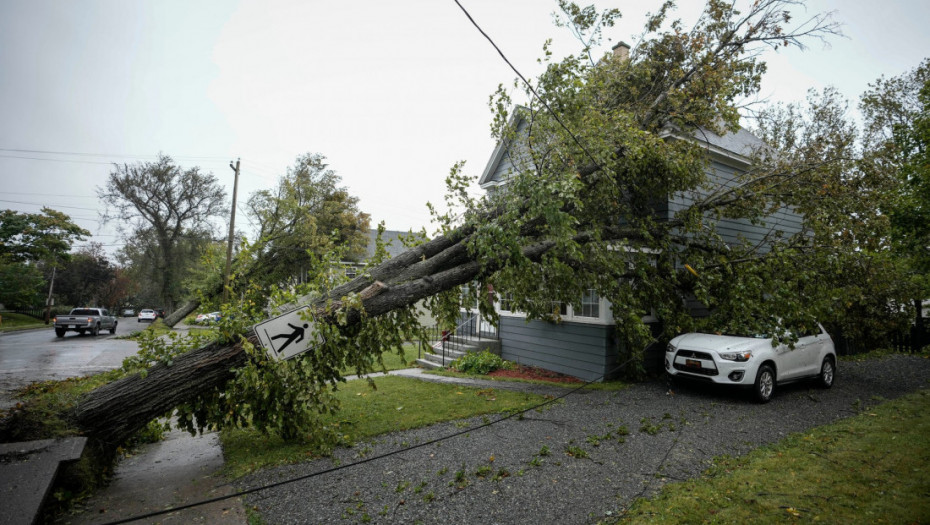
[506,302]
[590,304]
[591,308]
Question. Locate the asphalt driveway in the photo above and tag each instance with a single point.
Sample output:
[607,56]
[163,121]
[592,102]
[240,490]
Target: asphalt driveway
[532,469]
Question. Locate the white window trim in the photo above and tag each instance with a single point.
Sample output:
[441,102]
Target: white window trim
[606,315]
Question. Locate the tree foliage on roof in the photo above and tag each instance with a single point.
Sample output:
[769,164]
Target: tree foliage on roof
[604,145]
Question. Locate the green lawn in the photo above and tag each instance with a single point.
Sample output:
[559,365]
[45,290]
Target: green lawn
[872,468]
[12,322]
[609,386]
[393,361]
[398,404]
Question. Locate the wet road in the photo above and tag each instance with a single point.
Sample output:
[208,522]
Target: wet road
[38,355]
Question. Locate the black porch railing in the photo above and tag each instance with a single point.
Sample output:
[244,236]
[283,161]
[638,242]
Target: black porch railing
[444,341]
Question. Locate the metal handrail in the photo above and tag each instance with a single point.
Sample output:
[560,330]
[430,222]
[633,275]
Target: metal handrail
[449,340]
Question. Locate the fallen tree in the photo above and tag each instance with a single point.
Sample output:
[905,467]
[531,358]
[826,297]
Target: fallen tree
[116,411]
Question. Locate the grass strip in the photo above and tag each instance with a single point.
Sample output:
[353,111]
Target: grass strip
[605,386]
[398,404]
[871,468]
[392,360]
[12,322]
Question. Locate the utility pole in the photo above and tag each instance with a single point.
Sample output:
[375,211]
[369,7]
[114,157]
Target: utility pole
[51,286]
[232,230]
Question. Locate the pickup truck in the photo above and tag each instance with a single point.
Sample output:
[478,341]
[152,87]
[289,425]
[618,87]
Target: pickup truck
[83,320]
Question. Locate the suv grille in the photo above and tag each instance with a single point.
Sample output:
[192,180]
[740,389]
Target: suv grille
[694,354]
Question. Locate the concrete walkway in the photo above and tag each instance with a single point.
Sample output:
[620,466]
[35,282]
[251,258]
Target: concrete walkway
[177,471]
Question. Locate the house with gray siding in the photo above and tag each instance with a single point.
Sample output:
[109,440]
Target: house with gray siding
[584,343]
[393,244]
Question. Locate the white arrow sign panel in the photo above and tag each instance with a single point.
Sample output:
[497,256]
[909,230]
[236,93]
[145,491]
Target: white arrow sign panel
[288,335]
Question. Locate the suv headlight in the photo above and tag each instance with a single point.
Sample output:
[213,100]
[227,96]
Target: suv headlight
[670,348]
[736,356]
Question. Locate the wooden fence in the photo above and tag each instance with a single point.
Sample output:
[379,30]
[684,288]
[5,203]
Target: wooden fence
[906,341]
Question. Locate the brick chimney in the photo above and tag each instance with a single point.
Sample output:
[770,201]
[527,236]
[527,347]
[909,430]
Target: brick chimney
[621,51]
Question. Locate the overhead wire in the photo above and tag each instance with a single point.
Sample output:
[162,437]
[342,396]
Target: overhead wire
[337,468]
[2,192]
[117,155]
[530,87]
[49,205]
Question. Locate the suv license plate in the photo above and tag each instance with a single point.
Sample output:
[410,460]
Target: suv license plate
[692,363]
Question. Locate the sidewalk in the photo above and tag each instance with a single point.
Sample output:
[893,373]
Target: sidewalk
[179,470]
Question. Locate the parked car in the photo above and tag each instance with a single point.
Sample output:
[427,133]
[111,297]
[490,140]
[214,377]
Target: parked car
[208,318]
[147,314]
[83,320]
[129,312]
[751,361]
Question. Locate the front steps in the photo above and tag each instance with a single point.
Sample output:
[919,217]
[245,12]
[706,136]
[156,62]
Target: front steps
[432,361]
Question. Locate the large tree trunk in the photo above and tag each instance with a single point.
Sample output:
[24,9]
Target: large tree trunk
[116,411]
[183,311]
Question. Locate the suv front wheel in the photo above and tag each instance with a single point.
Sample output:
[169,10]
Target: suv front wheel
[827,373]
[764,387]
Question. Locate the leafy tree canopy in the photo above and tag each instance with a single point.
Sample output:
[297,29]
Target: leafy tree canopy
[309,213]
[33,237]
[83,279]
[21,285]
[897,113]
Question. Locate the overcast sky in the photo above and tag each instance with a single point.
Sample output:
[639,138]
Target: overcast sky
[392,93]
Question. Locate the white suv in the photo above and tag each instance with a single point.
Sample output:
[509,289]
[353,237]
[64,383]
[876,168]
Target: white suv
[752,361]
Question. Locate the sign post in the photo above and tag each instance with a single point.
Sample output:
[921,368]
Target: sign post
[288,334]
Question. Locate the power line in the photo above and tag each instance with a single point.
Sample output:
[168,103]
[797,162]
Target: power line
[49,195]
[529,86]
[119,155]
[49,205]
[56,160]
[110,245]
[375,458]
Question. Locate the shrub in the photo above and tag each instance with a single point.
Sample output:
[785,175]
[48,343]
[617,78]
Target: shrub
[480,363]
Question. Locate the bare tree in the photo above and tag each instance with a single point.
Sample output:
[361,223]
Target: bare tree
[162,200]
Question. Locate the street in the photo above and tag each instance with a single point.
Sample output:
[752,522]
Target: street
[38,355]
